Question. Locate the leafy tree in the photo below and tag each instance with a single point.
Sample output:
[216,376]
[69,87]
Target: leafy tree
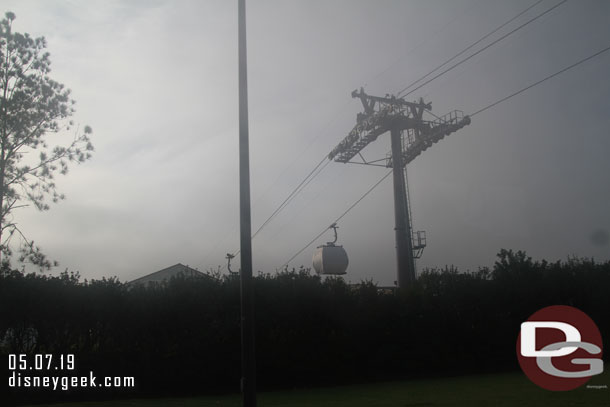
[32,107]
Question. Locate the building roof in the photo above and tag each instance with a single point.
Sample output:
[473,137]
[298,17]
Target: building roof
[177,270]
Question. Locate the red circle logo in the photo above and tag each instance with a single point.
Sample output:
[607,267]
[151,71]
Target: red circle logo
[559,348]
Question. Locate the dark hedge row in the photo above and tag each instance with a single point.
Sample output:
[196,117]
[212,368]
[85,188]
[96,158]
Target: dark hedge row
[184,337]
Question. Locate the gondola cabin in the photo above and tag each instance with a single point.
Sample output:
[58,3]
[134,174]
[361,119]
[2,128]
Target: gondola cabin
[330,259]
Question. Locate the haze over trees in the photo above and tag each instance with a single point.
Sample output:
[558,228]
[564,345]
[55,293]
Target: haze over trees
[33,109]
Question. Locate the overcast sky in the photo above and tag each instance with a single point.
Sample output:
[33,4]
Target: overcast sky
[157,82]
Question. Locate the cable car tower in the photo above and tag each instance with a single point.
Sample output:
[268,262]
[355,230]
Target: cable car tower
[410,135]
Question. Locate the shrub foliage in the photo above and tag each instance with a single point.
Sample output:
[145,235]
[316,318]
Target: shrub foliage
[183,337]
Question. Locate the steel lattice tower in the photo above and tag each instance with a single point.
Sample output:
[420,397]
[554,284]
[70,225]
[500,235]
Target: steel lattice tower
[410,135]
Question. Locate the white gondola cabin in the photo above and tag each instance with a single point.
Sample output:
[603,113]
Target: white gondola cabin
[330,259]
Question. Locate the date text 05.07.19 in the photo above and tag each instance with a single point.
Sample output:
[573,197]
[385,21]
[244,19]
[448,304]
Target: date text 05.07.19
[39,361]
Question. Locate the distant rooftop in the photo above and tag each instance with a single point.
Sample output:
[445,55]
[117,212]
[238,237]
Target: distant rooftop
[177,270]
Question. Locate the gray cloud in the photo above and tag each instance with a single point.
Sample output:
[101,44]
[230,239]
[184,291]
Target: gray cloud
[158,83]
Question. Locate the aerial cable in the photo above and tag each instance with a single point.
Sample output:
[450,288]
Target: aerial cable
[381,73]
[311,143]
[336,220]
[309,177]
[471,45]
[473,114]
[483,49]
[540,81]
[296,190]
[292,194]
[428,38]
[302,188]
[306,204]
[314,176]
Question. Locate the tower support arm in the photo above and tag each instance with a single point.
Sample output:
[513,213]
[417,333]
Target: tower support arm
[392,100]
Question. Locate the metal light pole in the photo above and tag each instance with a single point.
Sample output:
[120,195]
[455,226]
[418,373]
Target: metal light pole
[248,360]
